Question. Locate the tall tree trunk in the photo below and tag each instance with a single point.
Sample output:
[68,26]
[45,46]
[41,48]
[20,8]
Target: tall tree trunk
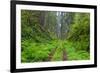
[42,18]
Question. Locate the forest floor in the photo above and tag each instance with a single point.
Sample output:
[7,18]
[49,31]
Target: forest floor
[53,51]
[64,54]
[51,54]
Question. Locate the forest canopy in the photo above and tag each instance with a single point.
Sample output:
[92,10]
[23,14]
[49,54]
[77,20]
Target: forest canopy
[54,36]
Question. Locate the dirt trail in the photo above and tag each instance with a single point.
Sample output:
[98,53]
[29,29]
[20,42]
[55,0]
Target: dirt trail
[51,54]
[64,56]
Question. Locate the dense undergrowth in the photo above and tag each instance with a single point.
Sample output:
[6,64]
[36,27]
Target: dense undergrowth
[38,52]
[44,31]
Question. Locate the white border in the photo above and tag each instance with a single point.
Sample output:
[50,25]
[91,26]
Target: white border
[20,65]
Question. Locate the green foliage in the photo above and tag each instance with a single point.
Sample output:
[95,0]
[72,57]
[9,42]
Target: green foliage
[58,55]
[33,52]
[80,55]
[39,35]
[74,54]
[80,31]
